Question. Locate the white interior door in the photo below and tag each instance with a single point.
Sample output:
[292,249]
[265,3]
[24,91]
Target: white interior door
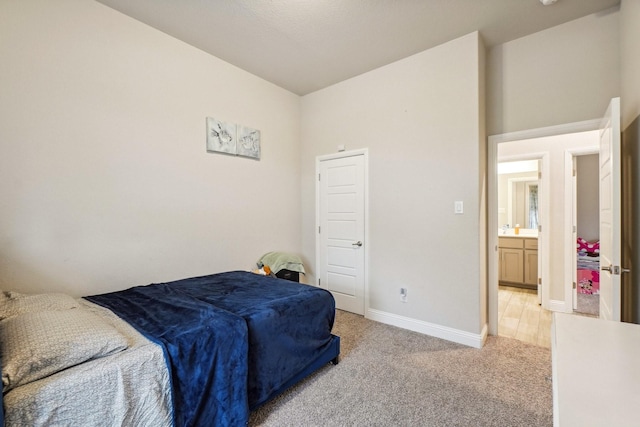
[341,231]
[610,233]
[574,233]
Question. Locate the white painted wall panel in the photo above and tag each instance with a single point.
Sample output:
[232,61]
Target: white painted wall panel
[104,176]
[419,117]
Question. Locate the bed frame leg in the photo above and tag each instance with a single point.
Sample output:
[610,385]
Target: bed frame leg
[336,360]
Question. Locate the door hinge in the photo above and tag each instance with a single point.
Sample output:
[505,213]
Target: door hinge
[318,177]
[575,229]
[539,228]
[318,229]
[574,285]
[319,283]
[539,175]
[539,280]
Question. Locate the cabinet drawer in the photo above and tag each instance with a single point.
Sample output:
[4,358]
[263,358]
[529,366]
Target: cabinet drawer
[510,242]
[531,243]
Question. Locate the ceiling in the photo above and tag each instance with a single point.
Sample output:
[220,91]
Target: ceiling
[306,45]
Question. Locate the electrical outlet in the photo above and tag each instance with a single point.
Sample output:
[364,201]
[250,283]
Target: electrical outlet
[403,294]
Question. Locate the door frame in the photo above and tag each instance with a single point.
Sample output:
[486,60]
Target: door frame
[570,209]
[341,155]
[492,203]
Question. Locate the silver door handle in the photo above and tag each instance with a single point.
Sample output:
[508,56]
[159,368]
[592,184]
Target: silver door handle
[358,243]
[614,269]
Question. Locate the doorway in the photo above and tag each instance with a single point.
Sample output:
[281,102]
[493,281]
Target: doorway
[586,287]
[540,143]
[520,315]
[518,217]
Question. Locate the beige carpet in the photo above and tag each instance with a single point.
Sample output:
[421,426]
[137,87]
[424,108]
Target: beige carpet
[588,304]
[392,377]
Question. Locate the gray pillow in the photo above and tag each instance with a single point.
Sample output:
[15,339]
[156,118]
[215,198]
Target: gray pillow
[39,344]
[14,303]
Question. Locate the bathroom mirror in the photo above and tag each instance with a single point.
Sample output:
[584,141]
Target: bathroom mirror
[522,203]
[518,194]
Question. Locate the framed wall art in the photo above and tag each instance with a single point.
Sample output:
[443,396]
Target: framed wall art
[229,138]
[248,144]
[221,136]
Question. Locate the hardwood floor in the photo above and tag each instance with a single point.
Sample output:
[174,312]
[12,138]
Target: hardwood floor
[521,317]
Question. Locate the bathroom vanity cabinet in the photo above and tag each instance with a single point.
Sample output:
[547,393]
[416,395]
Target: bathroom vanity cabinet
[518,260]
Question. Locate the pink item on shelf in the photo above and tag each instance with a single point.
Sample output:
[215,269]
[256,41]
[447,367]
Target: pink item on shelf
[589,247]
[589,282]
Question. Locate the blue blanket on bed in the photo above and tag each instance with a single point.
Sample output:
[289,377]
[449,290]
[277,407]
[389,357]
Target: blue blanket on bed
[205,348]
[232,340]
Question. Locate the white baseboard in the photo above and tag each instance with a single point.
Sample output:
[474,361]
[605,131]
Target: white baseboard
[438,331]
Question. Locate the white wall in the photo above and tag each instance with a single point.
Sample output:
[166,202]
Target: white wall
[420,118]
[555,146]
[104,177]
[565,74]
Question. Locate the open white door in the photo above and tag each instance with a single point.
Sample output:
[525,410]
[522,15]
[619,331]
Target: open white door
[610,214]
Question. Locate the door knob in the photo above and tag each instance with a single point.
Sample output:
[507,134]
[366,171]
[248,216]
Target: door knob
[615,269]
[358,243]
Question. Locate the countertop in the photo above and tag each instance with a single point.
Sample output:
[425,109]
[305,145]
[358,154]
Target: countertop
[520,236]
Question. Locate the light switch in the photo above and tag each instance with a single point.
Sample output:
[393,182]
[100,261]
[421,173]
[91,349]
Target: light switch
[458,207]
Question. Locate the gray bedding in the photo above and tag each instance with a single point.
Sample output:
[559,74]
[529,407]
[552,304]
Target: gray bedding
[127,388]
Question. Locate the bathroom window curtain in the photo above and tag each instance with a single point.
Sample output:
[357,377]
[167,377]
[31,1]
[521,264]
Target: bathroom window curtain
[533,206]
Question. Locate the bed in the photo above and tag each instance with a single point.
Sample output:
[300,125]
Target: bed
[198,351]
